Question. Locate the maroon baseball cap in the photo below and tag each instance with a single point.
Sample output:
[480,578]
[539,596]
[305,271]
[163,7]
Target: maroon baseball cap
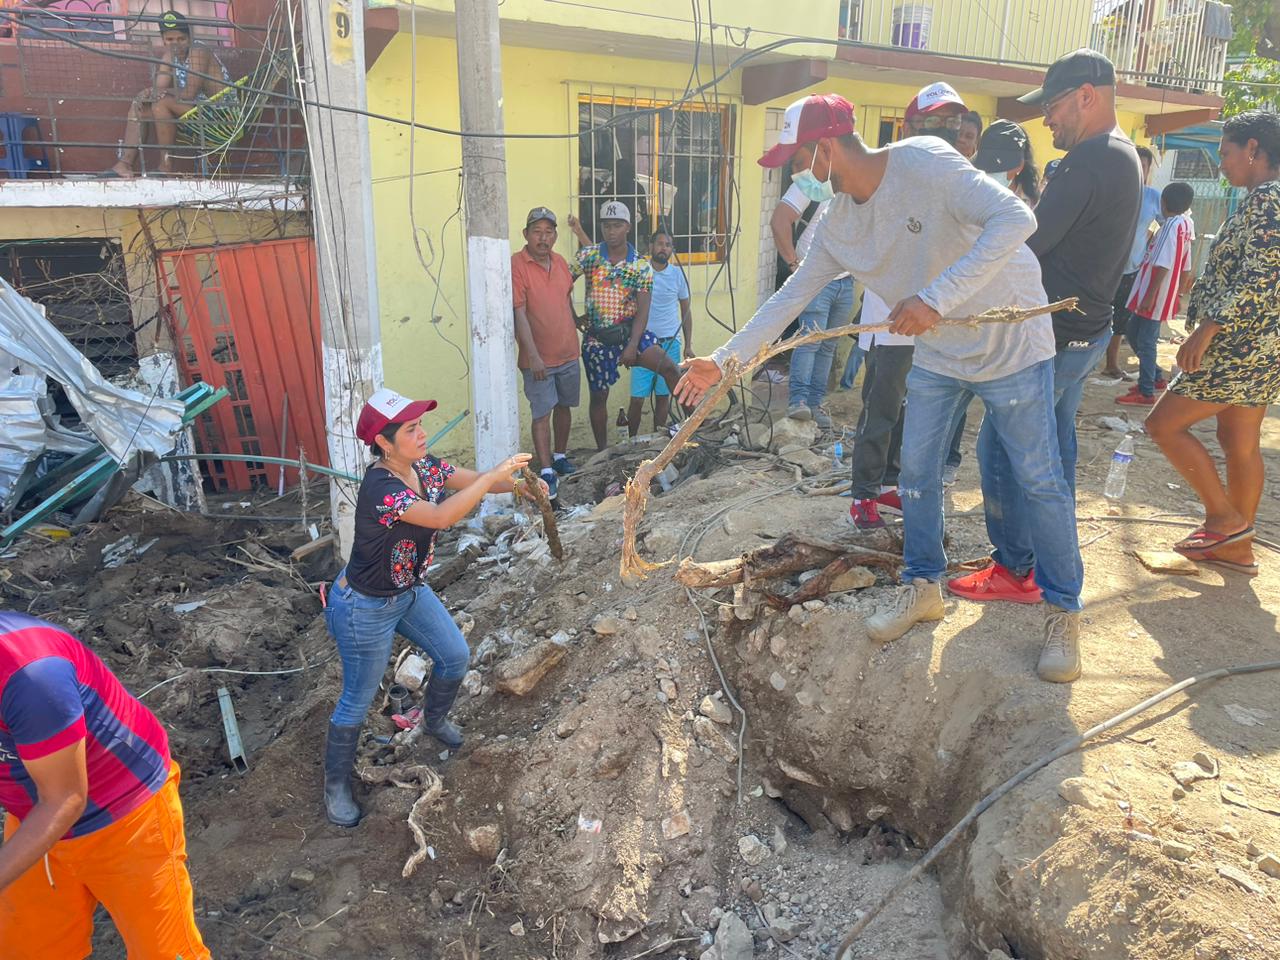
[386,407]
[807,120]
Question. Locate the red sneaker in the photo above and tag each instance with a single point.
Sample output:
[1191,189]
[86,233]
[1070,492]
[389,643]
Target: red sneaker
[1136,400]
[996,583]
[865,515]
[1162,385]
[890,503]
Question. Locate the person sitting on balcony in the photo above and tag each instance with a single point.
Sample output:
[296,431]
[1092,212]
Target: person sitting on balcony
[183,81]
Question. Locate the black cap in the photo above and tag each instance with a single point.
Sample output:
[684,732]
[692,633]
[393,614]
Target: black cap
[1073,70]
[539,213]
[1002,147]
[173,20]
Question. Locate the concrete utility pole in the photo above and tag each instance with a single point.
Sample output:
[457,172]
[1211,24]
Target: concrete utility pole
[484,173]
[342,198]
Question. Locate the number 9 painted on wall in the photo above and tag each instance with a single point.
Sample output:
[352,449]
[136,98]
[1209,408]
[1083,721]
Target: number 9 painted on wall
[340,50]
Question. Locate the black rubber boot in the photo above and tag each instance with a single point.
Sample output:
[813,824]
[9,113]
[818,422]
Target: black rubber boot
[339,759]
[435,711]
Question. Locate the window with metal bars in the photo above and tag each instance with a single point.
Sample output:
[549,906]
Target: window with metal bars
[673,169]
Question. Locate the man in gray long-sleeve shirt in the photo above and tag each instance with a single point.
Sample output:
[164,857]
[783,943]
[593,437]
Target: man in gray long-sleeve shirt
[926,231]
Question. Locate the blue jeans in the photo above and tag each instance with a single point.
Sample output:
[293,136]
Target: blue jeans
[852,366]
[1020,425]
[365,628]
[1143,335]
[811,365]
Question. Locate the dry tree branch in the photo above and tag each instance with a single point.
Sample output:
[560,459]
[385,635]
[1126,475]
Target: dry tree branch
[634,567]
[548,515]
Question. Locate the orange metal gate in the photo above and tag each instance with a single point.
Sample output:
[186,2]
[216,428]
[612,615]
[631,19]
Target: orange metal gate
[246,316]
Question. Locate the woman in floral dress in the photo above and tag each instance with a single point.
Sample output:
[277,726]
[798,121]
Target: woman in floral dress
[383,589]
[1231,362]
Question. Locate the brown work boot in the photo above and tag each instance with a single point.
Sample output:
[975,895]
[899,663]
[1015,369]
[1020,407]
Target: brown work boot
[917,601]
[1060,658]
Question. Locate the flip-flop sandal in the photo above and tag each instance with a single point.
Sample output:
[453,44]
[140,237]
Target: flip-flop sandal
[1248,569]
[1216,540]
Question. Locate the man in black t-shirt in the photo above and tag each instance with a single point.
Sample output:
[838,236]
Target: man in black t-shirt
[1085,225]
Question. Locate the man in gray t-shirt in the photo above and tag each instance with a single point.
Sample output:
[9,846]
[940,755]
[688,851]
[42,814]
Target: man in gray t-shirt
[933,235]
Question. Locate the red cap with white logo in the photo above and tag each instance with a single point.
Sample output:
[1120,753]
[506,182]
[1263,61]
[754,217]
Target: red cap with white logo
[386,407]
[807,120]
[934,97]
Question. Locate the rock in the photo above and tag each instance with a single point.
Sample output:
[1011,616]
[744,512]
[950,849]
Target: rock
[1269,864]
[607,626]
[777,681]
[676,825]
[708,735]
[668,689]
[812,606]
[412,672]
[1238,877]
[608,506]
[1177,851]
[810,463]
[786,929]
[1088,793]
[746,603]
[791,433]
[517,928]
[567,727]
[753,850]
[447,889]
[473,683]
[1227,832]
[1200,767]
[561,637]
[716,711]
[796,613]
[1178,793]
[997,955]
[301,878]
[630,614]
[858,578]
[485,841]
[520,675]
[778,642]
[733,940]
[1166,561]
[1253,850]
[752,889]
[779,841]
[877,812]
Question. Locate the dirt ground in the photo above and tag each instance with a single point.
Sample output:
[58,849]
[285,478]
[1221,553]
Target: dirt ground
[611,788]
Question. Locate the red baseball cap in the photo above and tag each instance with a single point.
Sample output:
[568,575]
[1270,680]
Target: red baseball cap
[934,97]
[809,119]
[386,407]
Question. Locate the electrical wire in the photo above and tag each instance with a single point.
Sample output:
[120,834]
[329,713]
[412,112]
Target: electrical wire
[242,673]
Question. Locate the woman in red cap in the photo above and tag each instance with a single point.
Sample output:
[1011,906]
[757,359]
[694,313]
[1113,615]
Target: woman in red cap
[383,591]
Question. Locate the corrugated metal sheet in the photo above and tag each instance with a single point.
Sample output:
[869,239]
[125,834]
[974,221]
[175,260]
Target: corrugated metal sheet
[246,316]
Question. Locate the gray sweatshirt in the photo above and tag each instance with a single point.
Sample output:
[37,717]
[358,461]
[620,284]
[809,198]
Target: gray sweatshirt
[938,227]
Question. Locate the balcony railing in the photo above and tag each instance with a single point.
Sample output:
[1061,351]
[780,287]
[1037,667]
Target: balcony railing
[69,76]
[1159,43]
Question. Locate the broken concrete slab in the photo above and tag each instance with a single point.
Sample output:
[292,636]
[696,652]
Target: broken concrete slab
[1166,561]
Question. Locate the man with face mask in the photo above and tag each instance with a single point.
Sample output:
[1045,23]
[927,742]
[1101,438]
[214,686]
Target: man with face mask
[935,111]
[934,236]
[1085,226]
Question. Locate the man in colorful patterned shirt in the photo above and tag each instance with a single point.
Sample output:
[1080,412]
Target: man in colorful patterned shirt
[619,285]
[92,801]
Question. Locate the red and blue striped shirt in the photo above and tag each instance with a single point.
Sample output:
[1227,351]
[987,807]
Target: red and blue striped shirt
[55,692]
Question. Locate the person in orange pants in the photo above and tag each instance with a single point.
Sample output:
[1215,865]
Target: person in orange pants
[91,795]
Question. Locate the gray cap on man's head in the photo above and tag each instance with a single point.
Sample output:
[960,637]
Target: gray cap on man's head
[540,213]
[1070,71]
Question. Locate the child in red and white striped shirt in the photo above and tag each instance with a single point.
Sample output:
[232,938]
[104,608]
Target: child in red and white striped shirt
[1164,276]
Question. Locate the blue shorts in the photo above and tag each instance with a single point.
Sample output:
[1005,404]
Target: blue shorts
[601,362]
[645,382]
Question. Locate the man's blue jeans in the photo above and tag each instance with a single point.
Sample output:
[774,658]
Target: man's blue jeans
[365,628]
[811,365]
[1008,525]
[852,366]
[1143,335]
[1020,420]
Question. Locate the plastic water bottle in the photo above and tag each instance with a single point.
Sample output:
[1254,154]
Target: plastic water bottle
[624,426]
[837,454]
[1119,471]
